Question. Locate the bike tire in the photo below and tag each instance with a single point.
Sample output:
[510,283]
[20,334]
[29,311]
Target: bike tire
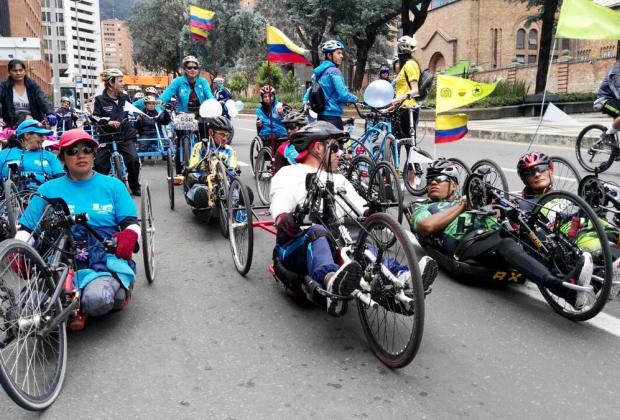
[241,233]
[418,187]
[118,168]
[222,198]
[255,146]
[593,134]
[186,149]
[387,154]
[602,280]
[409,336]
[14,208]
[27,306]
[565,176]
[358,173]
[492,174]
[147,226]
[170,178]
[263,175]
[385,186]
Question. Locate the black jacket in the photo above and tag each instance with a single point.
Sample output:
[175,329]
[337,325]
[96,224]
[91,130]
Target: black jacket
[39,106]
[107,107]
[67,118]
[146,126]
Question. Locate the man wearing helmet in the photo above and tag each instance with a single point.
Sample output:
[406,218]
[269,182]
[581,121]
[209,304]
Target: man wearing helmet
[67,117]
[608,100]
[111,105]
[269,114]
[330,78]
[437,223]
[195,183]
[384,73]
[221,93]
[286,153]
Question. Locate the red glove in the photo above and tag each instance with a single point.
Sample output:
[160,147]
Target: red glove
[126,242]
[286,223]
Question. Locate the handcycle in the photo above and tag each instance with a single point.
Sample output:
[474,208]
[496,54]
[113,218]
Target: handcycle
[118,169]
[391,311]
[186,129]
[602,196]
[155,147]
[257,143]
[552,232]
[595,151]
[38,297]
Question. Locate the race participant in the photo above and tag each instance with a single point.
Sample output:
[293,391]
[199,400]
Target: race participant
[110,104]
[221,93]
[286,153]
[436,224]
[608,100]
[104,280]
[20,93]
[67,117]
[384,73]
[536,171]
[147,125]
[29,157]
[150,91]
[195,183]
[137,96]
[269,105]
[308,250]
[330,78]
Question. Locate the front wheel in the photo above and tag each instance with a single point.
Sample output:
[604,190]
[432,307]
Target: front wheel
[13,206]
[240,229]
[385,186]
[594,152]
[263,175]
[147,225]
[255,146]
[414,174]
[170,178]
[186,149]
[32,362]
[222,198]
[394,326]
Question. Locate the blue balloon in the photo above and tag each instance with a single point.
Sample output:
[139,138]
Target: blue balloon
[379,93]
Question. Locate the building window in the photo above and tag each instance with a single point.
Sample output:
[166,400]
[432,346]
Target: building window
[532,39]
[531,59]
[521,39]
[520,58]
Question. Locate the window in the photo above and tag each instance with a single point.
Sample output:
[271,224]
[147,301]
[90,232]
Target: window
[521,39]
[532,39]
[60,17]
[531,59]
[520,58]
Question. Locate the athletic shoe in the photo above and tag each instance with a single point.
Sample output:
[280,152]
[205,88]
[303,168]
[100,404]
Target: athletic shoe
[615,284]
[581,275]
[201,198]
[343,282]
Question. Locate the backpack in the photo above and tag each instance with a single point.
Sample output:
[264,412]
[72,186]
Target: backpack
[425,82]
[317,96]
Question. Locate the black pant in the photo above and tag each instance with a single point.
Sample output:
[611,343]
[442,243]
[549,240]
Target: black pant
[128,150]
[401,128]
[336,121]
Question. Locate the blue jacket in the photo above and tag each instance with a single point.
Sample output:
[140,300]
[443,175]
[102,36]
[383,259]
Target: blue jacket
[180,88]
[278,128]
[335,91]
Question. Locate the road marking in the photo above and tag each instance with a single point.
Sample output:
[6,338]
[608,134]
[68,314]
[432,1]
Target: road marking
[241,163]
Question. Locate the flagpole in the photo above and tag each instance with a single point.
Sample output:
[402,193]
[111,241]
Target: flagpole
[542,105]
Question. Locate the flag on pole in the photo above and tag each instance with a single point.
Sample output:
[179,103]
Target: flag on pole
[584,19]
[280,49]
[200,21]
[455,92]
[553,114]
[449,128]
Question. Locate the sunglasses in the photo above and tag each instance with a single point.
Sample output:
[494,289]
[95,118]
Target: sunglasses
[333,147]
[86,150]
[438,179]
[191,68]
[221,133]
[538,169]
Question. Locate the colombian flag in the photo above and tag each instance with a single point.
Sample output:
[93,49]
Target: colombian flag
[200,21]
[449,128]
[280,49]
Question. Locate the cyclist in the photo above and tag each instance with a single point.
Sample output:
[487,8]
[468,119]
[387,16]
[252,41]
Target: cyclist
[147,125]
[67,117]
[384,73]
[195,183]
[269,126]
[286,153]
[110,104]
[330,79]
[137,96]
[150,91]
[104,280]
[536,171]
[436,224]
[222,94]
[608,100]
[30,157]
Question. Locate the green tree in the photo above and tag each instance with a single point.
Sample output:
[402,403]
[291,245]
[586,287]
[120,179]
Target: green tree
[237,82]
[290,84]
[269,74]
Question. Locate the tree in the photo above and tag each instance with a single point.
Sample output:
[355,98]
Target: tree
[289,83]
[237,83]
[263,75]
[419,9]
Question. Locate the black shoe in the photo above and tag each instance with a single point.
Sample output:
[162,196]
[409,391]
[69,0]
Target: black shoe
[136,192]
[201,198]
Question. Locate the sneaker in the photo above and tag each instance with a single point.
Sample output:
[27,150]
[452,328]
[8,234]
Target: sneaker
[136,192]
[615,283]
[342,282]
[78,322]
[581,275]
[201,198]
[429,270]
[609,139]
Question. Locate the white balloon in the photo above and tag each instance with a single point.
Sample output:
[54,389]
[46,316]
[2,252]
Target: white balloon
[239,105]
[379,93]
[231,108]
[210,108]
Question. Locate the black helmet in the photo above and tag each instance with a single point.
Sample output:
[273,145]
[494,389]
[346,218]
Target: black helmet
[219,123]
[443,167]
[318,130]
[294,119]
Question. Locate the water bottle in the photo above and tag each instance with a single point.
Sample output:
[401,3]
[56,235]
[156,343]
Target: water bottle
[241,216]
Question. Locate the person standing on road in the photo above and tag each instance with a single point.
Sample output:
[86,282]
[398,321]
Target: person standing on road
[330,79]
[19,93]
[608,100]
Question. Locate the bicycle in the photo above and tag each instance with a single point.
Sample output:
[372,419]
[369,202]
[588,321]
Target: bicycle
[186,125]
[118,169]
[595,150]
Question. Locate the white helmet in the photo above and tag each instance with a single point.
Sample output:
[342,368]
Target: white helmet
[150,90]
[406,44]
[331,46]
[218,80]
[110,73]
[190,59]
[138,95]
[65,99]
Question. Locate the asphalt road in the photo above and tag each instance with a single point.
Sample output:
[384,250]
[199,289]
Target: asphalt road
[204,342]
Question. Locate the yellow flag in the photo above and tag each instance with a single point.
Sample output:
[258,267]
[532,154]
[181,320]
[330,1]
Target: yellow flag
[584,19]
[455,92]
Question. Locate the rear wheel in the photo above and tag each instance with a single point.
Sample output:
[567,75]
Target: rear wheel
[358,173]
[385,186]
[393,328]
[222,198]
[255,146]
[565,176]
[594,152]
[492,175]
[462,168]
[170,178]
[32,363]
[262,174]
[147,225]
[13,206]
[414,174]
[241,233]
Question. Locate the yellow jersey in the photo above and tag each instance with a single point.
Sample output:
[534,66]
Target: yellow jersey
[410,71]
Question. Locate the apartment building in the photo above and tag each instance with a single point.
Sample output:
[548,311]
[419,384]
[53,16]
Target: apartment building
[117,45]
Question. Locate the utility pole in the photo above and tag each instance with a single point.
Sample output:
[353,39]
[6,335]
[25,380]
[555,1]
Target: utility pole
[55,57]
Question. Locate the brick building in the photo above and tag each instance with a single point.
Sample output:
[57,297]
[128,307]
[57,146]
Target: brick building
[493,35]
[24,19]
[117,45]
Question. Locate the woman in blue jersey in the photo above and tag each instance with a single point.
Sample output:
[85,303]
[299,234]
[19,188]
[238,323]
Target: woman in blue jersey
[30,157]
[105,280]
[269,126]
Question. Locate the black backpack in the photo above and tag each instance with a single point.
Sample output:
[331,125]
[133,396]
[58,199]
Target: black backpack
[317,96]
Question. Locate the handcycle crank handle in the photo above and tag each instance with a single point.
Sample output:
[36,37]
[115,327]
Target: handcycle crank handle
[109,245]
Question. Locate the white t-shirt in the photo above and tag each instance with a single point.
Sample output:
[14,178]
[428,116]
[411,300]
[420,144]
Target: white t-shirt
[288,189]
[21,102]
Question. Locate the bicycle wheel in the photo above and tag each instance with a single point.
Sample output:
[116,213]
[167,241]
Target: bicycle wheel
[186,149]
[32,363]
[263,175]
[415,181]
[222,198]
[594,153]
[565,176]
[385,186]
[389,142]
[358,173]
[462,168]
[393,329]
[13,206]
[170,178]
[241,233]
[554,219]
[147,225]
[118,168]
[492,175]
[255,146]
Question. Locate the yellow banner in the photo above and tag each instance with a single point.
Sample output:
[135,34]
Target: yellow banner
[146,80]
[455,92]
